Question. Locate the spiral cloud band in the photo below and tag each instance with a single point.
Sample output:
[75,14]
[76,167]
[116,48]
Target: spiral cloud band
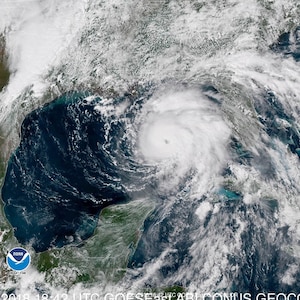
[182,132]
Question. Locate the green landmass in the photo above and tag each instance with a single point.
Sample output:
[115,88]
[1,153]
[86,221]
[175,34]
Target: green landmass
[4,71]
[104,256]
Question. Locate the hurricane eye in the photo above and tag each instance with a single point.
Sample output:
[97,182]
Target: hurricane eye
[182,130]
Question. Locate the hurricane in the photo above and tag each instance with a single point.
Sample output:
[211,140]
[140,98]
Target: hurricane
[150,147]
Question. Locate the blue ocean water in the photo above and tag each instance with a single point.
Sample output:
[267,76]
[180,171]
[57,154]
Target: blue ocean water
[276,122]
[288,44]
[61,175]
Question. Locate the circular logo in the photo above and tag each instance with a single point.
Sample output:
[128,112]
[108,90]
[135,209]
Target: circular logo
[18,259]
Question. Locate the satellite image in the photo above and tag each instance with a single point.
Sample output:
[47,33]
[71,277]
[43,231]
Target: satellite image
[150,149]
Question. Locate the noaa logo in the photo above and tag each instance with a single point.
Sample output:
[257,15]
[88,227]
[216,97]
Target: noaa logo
[18,259]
